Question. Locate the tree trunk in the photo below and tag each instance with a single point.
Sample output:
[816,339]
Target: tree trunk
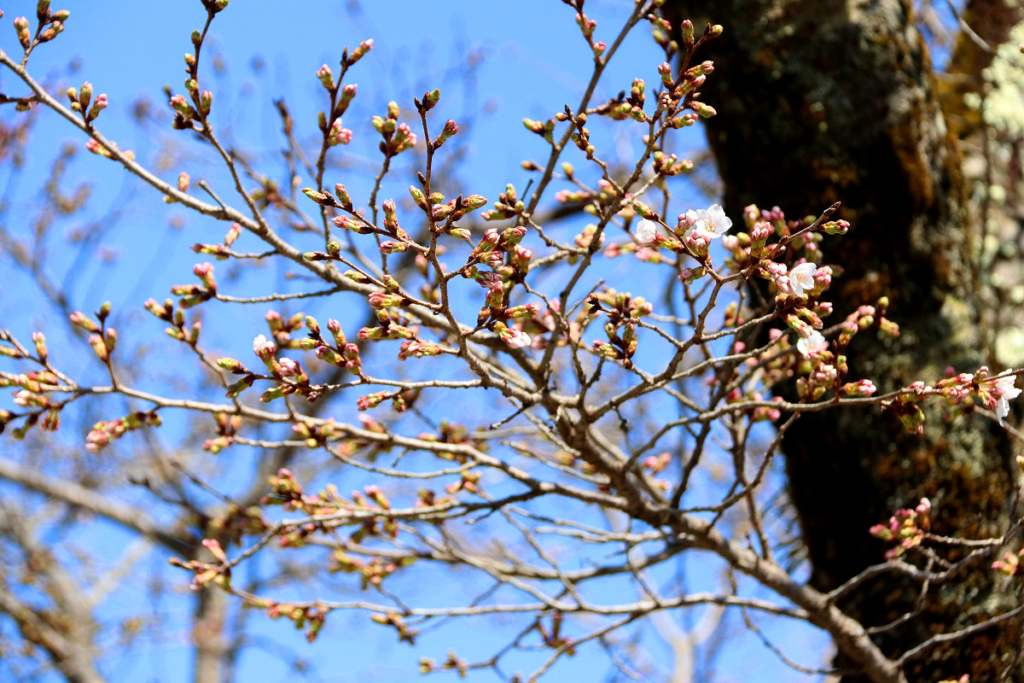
[208,635]
[831,100]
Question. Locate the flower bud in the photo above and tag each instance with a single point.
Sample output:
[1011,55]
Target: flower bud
[515,338]
[644,211]
[383,300]
[392,247]
[274,393]
[683,121]
[665,69]
[372,401]
[180,105]
[78,318]
[326,77]
[360,51]
[263,348]
[686,28]
[338,135]
[474,202]
[39,340]
[705,111]
[343,196]
[534,126]
[404,137]
[862,388]
[100,347]
[21,27]
[697,242]
[888,328]
[390,218]
[318,197]
[85,95]
[204,271]
[835,227]
[512,236]
[450,129]
[231,365]
[524,311]
[694,84]
[690,275]
[417,196]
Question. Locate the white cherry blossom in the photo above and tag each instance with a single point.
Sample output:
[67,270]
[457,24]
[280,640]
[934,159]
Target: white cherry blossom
[1004,389]
[813,345]
[801,278]
[646,231]
[713,221]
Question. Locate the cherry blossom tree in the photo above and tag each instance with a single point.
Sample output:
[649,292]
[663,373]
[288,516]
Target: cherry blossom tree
[473,401]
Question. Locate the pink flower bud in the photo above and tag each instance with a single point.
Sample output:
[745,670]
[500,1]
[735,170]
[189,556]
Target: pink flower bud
[393,247]
[80,319]
[515,338]
[96,148]
[697,242]
[360,51]
[99,345]
[204,271]
[450,129]
[862,388]
[665,70]
[326,77]
[382,300]
[705,111]
[289,367]
[21,27]
[686,28]
[214,547]
[339,136]
[180,105]
[99,105]
[263,348]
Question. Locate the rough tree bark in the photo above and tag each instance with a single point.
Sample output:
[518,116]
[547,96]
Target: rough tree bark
[835,100]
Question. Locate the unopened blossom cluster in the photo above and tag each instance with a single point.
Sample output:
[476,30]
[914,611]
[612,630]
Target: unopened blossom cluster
[906,528]
[286,491]
[105,431]
[1010,564]
[960,389]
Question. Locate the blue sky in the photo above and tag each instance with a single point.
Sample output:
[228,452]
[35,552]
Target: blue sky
[528,62]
